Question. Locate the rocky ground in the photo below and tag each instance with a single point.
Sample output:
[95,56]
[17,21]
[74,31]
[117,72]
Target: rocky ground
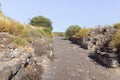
[23,62]
[74,63]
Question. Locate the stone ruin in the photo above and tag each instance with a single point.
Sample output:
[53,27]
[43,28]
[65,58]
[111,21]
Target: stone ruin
[97,42]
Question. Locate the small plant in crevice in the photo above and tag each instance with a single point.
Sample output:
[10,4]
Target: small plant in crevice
[19,41]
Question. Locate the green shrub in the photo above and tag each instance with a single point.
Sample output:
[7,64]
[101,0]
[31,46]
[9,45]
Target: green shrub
[72,30]
[82,33]
[61,34]
[41,21]
[47,31]
[115,42]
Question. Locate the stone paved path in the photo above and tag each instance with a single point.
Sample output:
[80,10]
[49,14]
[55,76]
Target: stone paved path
[73,63]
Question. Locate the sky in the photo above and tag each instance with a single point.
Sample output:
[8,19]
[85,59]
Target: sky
[63,13]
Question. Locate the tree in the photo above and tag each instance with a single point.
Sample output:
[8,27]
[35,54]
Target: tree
[72,30]
[41,21]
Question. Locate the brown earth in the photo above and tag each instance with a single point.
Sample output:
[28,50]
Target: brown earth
[74,63]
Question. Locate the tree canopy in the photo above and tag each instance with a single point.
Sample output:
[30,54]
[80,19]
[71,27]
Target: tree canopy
[41,21]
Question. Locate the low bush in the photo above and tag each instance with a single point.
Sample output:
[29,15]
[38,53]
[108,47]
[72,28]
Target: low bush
[61,34]
[72,30]
[41,21]
[82,33]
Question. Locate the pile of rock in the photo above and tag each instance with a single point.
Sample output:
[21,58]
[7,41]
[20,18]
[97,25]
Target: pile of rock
[98,38]
[22,63]
[109,57]
[97,42]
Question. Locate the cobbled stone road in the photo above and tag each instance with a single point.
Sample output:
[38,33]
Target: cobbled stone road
[73,63]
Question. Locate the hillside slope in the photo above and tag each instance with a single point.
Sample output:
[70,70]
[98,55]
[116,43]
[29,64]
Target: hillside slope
[24,50]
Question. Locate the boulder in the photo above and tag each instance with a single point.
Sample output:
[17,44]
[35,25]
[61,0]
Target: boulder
[14,53]
[72,39]
[109,59]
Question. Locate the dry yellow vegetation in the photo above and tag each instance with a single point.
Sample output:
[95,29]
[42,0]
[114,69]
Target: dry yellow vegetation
[82,33]
[23,32]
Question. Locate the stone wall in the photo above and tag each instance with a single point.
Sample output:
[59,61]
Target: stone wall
[97,42]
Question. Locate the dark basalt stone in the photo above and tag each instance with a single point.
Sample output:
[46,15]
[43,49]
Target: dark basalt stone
[109,59]
[108,49]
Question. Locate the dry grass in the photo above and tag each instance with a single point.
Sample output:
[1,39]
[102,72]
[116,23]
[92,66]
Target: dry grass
[10,26]
[115,42]
[23,33]
[117,26]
